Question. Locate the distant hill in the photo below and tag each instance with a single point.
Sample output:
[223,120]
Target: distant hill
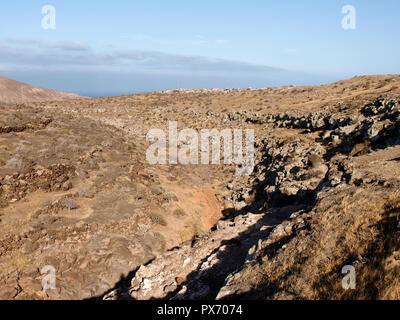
[12,91]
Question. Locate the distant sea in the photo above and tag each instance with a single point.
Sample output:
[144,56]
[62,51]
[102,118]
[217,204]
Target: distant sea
[107,94]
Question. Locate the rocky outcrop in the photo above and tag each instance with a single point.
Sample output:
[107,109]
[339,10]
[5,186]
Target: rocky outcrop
[298,243]
[294,183]
[319,120]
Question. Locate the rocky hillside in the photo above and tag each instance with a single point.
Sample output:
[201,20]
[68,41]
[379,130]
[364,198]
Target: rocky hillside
[12,91]
[77,193]
[314,207]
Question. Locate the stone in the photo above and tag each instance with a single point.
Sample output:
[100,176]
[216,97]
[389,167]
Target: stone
[30,247]
[67,185]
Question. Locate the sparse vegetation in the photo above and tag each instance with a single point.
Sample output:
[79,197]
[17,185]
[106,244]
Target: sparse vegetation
[170,196]
[70,204]
[43,184]
[16,163]
[143,229]
[180,213]
[162,240]
[251,198]
[3,202]
[157,218]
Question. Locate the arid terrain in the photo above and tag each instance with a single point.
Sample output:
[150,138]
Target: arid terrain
[12,91]
[77,193]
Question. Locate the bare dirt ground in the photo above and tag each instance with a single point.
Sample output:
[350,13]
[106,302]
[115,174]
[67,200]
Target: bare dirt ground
[77,193]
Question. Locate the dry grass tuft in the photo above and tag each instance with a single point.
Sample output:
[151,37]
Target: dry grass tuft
[356,226]
[180,213]
[157,218]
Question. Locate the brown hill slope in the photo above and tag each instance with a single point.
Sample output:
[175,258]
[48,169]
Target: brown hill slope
[12,91]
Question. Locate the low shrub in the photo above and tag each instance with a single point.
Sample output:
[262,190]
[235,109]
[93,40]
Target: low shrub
[157,218]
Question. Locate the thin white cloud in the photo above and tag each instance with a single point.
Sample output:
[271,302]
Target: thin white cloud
[23,41]
[146,38]
[68,45]
[200,39]
[75,55]
[62,45]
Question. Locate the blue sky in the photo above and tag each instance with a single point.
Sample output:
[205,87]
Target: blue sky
[117,47]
